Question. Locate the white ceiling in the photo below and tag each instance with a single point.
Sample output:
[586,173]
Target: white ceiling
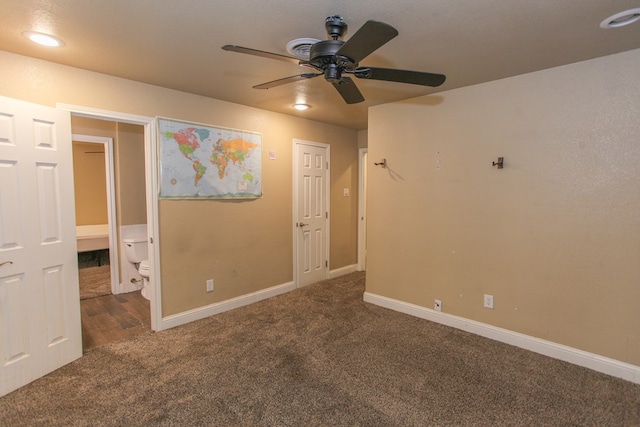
[177,44]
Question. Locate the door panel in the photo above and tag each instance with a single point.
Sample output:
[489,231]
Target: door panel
[10,230]
[15,334]
[49,205]
[311,213]
[54,289]
[39,297]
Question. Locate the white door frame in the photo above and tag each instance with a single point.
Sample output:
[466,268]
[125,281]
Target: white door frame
[151,173]
[362,208]
[296,258]
[114,269]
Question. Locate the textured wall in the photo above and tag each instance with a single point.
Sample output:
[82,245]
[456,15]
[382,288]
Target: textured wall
[554,236]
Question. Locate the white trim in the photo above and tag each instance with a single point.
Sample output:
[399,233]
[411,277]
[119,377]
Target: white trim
[241,301]
[150,155]
[153,223]
[220,307]
[114,271]
[342,271]
[93,113]
[572,355]
[327,148]
[362,207]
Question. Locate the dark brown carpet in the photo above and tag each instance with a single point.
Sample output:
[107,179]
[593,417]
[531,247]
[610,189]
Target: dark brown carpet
[319,356]
[94,281]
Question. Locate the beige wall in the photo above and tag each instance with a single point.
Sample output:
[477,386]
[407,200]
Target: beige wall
[362,138]
[129,164]
[89,183]
[93,127]
[245,246]
[554,236]
[130,167]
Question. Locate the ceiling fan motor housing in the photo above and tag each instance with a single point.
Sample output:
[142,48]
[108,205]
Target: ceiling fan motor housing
[336,27]
[323,56]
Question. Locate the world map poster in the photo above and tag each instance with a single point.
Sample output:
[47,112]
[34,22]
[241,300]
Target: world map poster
[198,160]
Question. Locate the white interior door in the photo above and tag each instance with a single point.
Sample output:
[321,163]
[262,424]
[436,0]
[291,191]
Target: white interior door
[311,212]
[39,298]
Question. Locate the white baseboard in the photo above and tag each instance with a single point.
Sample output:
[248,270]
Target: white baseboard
[342,271]
[220,307]
[125,288]
[572,355]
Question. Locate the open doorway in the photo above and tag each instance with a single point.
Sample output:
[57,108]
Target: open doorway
[150,171]
[93,171]
[110,189]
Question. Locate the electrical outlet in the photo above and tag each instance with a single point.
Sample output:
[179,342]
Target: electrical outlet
[210,285]
[488,301]
[437,305]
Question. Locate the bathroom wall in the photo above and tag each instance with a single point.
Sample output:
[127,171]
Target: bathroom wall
[90,184]
[130,167]
[131,195]
[130,191]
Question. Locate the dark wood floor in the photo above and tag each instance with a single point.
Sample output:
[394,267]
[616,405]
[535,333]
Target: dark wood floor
[113,317]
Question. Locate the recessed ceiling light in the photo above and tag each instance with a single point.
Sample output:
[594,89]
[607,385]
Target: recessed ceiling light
[301,107]
[621,19]
[43,39]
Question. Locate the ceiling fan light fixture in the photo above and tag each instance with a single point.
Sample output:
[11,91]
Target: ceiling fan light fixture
[301,47]
[301,106]
[43,39]
[621,19]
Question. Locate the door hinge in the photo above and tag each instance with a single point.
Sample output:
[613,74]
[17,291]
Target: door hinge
[327,165]
[326,264]
[326,215]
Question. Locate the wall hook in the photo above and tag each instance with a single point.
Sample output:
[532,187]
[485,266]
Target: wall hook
[499,163]
[382,163]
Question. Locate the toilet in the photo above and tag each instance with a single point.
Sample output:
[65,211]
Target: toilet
[136,253]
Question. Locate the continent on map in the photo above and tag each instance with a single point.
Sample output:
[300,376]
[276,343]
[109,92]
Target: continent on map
[234,150]
[200,171]
[188,139]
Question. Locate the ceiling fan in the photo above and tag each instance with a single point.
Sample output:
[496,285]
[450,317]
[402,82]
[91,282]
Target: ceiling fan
[333,58]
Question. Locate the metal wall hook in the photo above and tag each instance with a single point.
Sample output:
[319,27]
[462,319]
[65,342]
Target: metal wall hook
[499,163]
[382,163]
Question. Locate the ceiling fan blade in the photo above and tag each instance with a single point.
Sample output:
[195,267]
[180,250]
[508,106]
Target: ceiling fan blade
[402,76]
[286,80]
[270,55]
[348,90]
[371,36]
